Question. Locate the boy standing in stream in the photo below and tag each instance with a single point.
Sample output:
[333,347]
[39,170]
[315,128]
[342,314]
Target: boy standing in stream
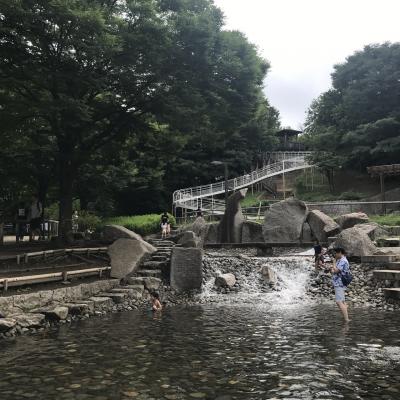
[340,267]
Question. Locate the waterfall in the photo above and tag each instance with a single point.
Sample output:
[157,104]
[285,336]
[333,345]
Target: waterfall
[292,278]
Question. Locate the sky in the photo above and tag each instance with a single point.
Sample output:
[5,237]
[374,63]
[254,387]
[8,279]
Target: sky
[304,39]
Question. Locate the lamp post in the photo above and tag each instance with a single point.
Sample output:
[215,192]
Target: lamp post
[225,177]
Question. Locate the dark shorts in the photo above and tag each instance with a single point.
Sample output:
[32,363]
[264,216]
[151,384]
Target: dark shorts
[35,223]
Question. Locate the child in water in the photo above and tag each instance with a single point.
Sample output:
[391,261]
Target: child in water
[155,302]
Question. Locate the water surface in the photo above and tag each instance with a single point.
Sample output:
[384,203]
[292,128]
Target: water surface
[258,351]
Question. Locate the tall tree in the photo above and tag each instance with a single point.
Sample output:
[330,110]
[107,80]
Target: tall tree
[358,120]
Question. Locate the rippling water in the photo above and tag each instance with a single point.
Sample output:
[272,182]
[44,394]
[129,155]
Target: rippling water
[210,352]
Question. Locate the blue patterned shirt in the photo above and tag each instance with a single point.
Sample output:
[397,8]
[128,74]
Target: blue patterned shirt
[343,265]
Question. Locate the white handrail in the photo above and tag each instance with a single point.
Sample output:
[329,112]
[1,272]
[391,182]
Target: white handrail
[288,161]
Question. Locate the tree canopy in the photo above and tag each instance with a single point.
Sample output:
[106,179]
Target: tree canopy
[120,102]
[357,122]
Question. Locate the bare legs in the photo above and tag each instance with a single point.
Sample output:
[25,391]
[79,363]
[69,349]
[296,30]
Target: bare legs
[343,308]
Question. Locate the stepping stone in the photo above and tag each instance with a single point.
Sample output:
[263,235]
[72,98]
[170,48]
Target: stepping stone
[394,265]
[135,281]
[28,320]
[100,302]
[150,272]
[393,293]
[53,313]
[132,291]
[117,298]
[387,274]
[154,264]
[89,303]
[159,258]
[78,308]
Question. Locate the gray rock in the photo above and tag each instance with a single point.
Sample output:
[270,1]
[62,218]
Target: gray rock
[232,221]
[186,269]
[126,256]
[115,232]
[28,320]
[210,233]
[57,313]
[189,239]
[6,324]
[199,225]
[252,232]
[349,220]
[373,230]
[79,308]
[322,225]
[225,280]
[356,243]
[100,302]
[284,221]
[152,283]
[269,275]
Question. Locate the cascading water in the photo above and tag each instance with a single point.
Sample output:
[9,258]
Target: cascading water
[291,276]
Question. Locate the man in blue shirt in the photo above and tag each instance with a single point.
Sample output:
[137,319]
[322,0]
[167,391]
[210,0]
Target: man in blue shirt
[341,265]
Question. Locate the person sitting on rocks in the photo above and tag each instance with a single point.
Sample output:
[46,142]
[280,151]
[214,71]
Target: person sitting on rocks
[323,258]
[155,302]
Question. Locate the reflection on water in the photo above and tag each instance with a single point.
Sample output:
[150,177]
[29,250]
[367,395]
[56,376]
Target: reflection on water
[211,352]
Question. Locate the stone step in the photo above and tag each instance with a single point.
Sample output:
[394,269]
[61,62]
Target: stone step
[393,293]
[394,265]
[154,265]
[161,257]
[100,302]
[150,272]
[132,291]
[379,259]
[117,298]
[387,274]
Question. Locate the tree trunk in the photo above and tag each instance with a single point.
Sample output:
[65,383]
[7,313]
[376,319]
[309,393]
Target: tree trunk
[66,195]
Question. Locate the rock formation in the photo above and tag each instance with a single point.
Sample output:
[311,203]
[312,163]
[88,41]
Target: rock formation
[284,221]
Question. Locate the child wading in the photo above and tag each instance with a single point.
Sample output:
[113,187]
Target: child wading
[155,302]
[341,278]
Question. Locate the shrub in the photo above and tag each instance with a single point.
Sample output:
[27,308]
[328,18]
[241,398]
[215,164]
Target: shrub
[88,221]
[141,224]
[390,219]
[351,196]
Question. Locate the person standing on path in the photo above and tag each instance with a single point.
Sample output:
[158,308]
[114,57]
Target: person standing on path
[340,266]
[165,225]
[21,219]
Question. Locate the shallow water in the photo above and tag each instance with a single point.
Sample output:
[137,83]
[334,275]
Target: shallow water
[210,352]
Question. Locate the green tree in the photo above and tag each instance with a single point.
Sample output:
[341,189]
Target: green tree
[358,120]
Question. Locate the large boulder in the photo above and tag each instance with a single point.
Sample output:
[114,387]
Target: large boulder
[189,239]
[349,220]
[225,280]
[199,225]
[126,256]
[210,233]
[186,269]
[284,221]
[115,232]
[232,221]
[355,242]
[373,230]
[322,225]
[252,232]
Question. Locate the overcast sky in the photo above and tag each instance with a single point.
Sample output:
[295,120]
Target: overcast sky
[303,39]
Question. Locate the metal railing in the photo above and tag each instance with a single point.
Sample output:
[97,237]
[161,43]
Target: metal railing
[287,162]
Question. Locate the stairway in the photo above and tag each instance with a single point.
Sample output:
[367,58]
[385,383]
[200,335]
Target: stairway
[158,266]
[391,273]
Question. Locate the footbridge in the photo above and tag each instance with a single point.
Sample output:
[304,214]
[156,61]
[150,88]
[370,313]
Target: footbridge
[202,197]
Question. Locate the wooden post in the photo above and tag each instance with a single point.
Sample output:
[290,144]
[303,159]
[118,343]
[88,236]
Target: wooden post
[65,276]
[5,285]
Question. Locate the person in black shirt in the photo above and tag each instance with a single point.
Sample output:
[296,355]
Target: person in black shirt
[21,220]
[317,252]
